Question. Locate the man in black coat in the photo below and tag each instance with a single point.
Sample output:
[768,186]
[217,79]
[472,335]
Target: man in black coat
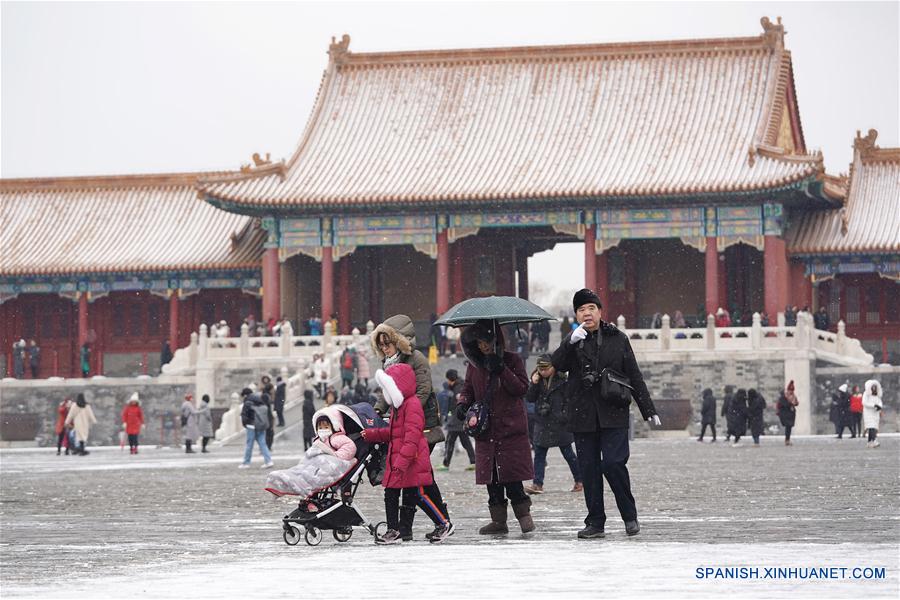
[708,414]
[726,407]
[601,426]
[280,392]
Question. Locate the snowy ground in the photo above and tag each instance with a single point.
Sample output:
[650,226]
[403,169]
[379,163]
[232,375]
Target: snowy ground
[165,525]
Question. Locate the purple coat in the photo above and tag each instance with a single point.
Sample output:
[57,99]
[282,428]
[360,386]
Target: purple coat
[506,445]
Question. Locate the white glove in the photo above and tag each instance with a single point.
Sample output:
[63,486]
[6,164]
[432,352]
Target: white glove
[579,334]
[655,420]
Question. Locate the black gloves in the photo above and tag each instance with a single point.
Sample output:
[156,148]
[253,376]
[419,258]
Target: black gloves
[461,410]
[493,363]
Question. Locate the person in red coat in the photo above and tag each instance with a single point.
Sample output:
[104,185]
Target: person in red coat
[133,421]
[503,454]
[61,413]
[408,466]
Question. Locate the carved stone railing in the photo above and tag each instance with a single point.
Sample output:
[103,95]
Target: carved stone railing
[836,347]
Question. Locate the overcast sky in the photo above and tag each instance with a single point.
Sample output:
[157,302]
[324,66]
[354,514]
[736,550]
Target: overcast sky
[110,88]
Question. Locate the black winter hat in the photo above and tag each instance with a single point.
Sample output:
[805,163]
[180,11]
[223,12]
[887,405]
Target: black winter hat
[452,374]
[246,391]
[585,296]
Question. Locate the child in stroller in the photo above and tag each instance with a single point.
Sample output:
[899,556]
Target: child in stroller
[327,478]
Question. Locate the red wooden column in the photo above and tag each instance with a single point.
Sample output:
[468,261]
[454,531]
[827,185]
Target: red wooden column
[82,330]
[271,284]
[344,295]
[443,273]
[173,320]
[775,277]
[603,279]
[801,285]
[458,292]
[590,257]
[327,284]
[712,275]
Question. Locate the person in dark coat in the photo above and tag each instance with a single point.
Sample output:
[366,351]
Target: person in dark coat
[737,416]
[268,392]
[547,394]
[726,407]
[455,428]
[756,404]
[840,410]
[19,359]
[34,359]
[600,426]
[280,393]
[394,341]
[708,414]
[165,355]
[309,409]
[503,462]
[787,411]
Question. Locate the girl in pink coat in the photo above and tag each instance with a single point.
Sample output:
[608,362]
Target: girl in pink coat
[408,467]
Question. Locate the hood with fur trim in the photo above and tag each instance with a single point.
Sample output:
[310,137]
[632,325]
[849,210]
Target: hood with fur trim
[397,383]
[400,330]
[333,415]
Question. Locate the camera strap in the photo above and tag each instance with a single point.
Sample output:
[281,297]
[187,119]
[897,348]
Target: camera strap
[595,360]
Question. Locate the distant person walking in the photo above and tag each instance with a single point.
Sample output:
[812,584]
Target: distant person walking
[756,404]
[873,404]
[189,430]
[81,418]
[856,412]
[708,414]
[737,416]
[280,393]
[61,432]
[726,407]
[133,421]
[203,415]
[255,419]
[34,359]
[455,426]
[787,411]
[309,409]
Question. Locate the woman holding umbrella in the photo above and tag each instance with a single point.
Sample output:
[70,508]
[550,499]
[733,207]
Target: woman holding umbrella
[503,462]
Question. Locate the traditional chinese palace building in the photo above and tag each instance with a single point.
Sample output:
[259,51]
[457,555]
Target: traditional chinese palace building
[423,178]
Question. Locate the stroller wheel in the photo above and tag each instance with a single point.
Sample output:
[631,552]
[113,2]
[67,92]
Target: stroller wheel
[313,536]
[291,536]
[380,529]
[343,535]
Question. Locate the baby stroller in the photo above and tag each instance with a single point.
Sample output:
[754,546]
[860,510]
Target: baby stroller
[334,503]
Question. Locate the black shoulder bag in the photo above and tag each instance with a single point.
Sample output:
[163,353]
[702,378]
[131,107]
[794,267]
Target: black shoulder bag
[615,387]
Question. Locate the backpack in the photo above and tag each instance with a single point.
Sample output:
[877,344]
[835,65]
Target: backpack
[348,361]
[260,417]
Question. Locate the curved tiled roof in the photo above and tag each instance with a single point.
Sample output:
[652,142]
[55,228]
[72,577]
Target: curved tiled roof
[127,224]
[613,120]
[870,219]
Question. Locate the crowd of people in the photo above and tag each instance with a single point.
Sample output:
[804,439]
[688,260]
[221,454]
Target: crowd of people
[744,409]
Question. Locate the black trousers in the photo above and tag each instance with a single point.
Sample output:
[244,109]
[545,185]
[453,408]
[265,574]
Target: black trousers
[873,433]
[787,431]
[280,413]
[712,427]
[132,440]
[450,446]
[604,453]
[499,492]
[59,440]
[270,438]
[413,497]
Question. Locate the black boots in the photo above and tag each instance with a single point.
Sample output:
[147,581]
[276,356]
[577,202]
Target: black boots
[632,527]
[407,516]
[81,450]
[497,526]
[522,510]
[187,447]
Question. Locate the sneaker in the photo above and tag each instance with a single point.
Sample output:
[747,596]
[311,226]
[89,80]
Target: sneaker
[391,536]
[734,444]
[443,468]
[590,532]
[534,489]
[244,466]
[440,533]
[470,468]
[876,443]
[632,527]
[267,465]
[578,487]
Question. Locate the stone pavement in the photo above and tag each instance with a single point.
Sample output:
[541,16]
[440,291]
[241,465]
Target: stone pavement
[110,524]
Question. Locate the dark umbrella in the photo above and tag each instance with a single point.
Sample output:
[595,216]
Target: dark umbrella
[503,309]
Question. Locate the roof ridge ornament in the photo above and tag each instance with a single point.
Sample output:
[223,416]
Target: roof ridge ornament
[258,162]
[773,33]
[338,51]
[866,145]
